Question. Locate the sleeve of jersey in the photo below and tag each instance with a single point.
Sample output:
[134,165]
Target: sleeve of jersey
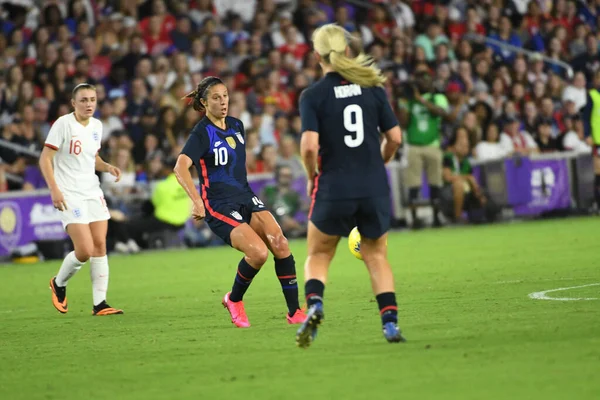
[308,113]
[447,161]
[56,135]
[441,101]
[196,146]
[387,118]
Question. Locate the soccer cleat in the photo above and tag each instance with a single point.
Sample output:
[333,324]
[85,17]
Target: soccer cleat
[104,309]
[237,312]
[392,333]
[298,317]
[308,330]
[59,296]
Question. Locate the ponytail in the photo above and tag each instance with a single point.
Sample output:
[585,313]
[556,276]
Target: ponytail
[331,42]
[201,92]
[359,70]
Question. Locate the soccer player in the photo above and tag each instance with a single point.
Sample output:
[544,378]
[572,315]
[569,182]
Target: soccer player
[216,146]
[68,162]
[342,116]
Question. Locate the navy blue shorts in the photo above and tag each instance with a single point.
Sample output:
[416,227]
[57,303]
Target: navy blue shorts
[222,216]
[371,215]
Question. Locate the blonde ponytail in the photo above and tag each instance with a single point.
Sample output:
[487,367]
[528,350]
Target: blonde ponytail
[331,42]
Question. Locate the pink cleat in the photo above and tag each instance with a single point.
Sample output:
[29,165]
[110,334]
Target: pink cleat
[298,317]
[237,312]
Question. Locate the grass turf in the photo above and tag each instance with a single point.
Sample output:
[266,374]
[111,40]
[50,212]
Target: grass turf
[463,294]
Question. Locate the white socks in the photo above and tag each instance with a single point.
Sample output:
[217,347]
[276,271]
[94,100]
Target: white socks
[99,275]
[69,267]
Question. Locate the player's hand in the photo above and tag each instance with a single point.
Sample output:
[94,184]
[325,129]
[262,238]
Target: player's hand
[114,171]
[58,200]
[310,185]
[198,212]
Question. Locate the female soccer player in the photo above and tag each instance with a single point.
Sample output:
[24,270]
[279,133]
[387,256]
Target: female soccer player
[68,162]
[342,116]
[216,146]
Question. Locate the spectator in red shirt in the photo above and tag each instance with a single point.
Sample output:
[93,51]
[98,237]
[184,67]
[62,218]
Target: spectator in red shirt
[291,46]
[99,65]
[166,21]
[383,24]
[156,41]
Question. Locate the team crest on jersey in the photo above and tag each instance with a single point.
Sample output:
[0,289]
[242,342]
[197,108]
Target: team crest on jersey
[230,142]
[236,215]
[96,136]
[240,137]
[77,213]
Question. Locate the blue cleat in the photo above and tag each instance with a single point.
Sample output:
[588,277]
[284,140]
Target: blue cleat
[308,330]
[392,333]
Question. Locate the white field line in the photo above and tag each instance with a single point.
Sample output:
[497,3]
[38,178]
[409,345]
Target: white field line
[542,295]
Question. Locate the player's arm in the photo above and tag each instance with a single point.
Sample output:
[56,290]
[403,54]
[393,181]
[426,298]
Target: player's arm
[47,169]
[309,144]
[195,148]
[103,166]
[388,124]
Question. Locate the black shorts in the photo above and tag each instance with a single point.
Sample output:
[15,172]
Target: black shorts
[371,215]
[222,216]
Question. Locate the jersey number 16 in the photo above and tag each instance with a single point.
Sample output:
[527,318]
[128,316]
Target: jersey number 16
[353,123]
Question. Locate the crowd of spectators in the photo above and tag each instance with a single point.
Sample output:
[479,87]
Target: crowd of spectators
[144,56]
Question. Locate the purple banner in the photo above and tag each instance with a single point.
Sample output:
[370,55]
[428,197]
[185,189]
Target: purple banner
[27,219]
[518,182]
[549,187]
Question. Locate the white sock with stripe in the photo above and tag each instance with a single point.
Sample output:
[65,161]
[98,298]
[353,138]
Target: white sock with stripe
[69,267]
[99,275]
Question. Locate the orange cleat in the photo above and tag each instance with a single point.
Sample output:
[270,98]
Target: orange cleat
[104,309]
[59,296]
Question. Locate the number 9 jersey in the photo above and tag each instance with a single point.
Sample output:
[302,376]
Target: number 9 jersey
[348,119]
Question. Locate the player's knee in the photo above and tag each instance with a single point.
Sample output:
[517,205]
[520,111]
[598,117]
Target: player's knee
[280,247]
[258,255]
[83,253]
[99,250]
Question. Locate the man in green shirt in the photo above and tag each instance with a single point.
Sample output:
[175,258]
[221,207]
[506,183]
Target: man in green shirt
[422,116]
[284,202]
[461,189]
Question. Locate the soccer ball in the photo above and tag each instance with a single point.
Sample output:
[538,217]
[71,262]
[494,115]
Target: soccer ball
[354,243]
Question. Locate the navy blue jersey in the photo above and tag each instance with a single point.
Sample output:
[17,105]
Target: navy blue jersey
[348,119]
[220,157]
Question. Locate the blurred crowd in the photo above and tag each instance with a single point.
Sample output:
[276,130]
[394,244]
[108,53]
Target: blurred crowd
[144,56]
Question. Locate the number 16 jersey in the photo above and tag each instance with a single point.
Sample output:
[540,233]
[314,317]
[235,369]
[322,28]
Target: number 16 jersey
[75,159]
[348,119]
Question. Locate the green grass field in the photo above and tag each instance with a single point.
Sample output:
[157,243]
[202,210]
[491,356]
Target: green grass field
[463,300]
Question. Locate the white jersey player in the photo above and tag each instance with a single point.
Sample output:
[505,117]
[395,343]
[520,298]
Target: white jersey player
[68,162]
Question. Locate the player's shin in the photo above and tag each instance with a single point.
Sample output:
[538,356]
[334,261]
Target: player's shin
[69,267]
[99,276]
[285,268]
[243,278]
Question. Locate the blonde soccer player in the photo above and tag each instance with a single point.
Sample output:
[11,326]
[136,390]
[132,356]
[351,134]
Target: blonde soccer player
[68,162]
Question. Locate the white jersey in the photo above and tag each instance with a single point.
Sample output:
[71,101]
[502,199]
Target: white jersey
[75,160]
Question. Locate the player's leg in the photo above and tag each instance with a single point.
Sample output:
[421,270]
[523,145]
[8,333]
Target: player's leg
[81,237]
[99,270]
[321,250]
[412,177]
[264,224]
[243,238]
[373,224]
[433,167]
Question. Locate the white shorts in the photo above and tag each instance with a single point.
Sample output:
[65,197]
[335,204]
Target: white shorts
[84,211]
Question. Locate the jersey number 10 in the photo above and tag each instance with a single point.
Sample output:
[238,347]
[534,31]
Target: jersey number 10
[353,122]
[221,156]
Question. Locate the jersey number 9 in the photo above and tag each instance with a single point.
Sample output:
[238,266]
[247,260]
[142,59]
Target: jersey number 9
[353,122]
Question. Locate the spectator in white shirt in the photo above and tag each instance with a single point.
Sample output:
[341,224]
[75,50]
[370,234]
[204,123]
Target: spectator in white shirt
[574,139]
[576,91]
[490,148]
[514,140]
